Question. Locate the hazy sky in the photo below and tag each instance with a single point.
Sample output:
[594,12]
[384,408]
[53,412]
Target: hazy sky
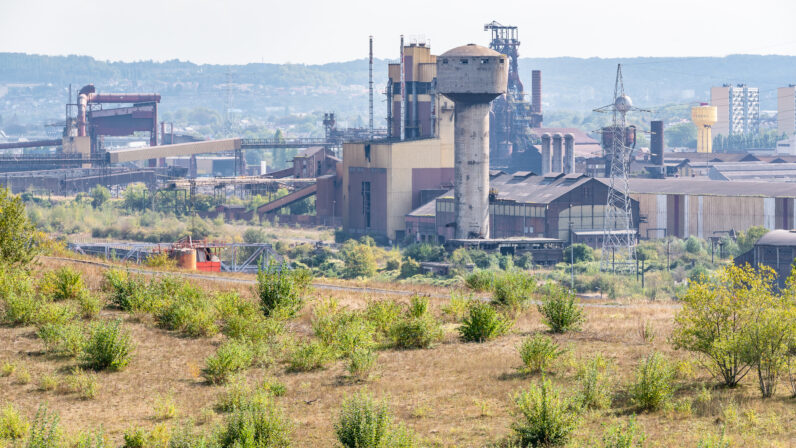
[318,31]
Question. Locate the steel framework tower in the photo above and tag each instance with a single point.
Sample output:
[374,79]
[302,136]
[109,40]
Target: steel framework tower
[619,239]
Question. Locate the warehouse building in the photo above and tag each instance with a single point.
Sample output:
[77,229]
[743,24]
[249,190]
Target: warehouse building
[557,206]
[777,250]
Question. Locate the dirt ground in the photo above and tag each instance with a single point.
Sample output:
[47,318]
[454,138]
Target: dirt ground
[452,395]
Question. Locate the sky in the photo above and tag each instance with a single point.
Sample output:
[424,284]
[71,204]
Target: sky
[321,31]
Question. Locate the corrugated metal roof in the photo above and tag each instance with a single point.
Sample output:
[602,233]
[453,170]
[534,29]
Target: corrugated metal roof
[778,238]
[710,187]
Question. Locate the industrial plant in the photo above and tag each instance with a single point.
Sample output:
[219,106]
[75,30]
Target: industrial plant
[462,160]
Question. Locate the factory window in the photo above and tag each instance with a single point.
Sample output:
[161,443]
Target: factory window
[485,61]
[366,202]
[465,61]
[502,61]
[367,152]
[445,61]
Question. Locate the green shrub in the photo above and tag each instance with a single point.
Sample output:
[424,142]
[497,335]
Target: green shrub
[90,440]
[160,260]
[188,311]
[63,283]
[483,323]
[82,383]
[653,386]
[44,431]
[359,259]
[54,313]
[48,382]
[126,291]
[7,368]
[480,280]
[310,356]
[231,357]
[108,346]
[363,422]
[62,339]
[361,363]
[513,289]
[582,253]
[538,352]
[416,332]
[382,314]
[546,417]
[12,425]
[561,310]
[258,423]
[89,304]
[418,306]
[594,388]
[21,308]
[425,252]
[135,438]
[458,307]
[281,289]
[409,268]
[340,329]
[19,240]
[624,436]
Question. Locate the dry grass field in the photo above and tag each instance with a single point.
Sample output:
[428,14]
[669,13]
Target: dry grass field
[454,394]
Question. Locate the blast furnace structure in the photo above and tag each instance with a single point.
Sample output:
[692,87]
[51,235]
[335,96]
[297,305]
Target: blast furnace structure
[471,76]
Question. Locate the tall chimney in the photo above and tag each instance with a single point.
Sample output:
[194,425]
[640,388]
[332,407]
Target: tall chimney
[546,153]
[656,142]
[558,154]
[536,91]
[569,153]
[471,76]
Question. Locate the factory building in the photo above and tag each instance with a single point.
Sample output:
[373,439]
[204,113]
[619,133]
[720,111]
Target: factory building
[380,181]
[738,109]
[786,110]
[556,206]
[705,208]
[777,250]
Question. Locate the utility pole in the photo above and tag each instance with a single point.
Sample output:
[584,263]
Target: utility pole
[370,90]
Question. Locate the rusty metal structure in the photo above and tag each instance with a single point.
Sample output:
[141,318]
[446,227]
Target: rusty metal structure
[512,114]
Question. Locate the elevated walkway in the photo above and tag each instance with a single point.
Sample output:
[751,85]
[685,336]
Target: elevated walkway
[285,201]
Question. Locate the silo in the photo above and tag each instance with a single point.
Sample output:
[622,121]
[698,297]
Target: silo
[546,156]
[569,154]
[558,153]
[471,76]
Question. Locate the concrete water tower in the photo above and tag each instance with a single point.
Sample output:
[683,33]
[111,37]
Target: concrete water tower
[704,117]
[471,76]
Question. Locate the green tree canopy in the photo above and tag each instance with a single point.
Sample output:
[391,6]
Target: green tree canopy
[19,241]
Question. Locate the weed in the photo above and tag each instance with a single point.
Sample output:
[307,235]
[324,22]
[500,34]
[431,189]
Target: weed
[310,356]
[416,332]
[280,288]
[12,424]
[161,260]
[363,422]
[560,310]
[480,280]
[629,435]
[538,352]
[653,386]
[274,387]
[646,332]
[21,308]
[483,323]
[48,382]
[63,283]
[714,441]
[189,312]
[547,418]
[418,306]
[108,347]
[7,368]
[164,407]
[594,383]
[54,313]
[457,307]
[513,289]
[361,363]
[89,304]
[82,383]
[135,438]
[258,423]
[231,357]
[382,314]
[44,430]
[62,339]
[22,375]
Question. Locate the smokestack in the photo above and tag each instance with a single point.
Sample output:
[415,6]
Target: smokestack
[558,154]
[536,91]
[370,88]
[656,142]
[471,76]
[546,153]
[569,154]
[403,92]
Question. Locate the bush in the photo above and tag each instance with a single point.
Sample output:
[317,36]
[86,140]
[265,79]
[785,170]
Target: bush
[21,308]
[425,252]
[480,280]
[62,339]
[44,431]
[560,310]
[458,307]
[281,289]
[361,363]
[310,356]
[19,240]
[160,260]
[538,352]
[416,332]
[653,386]
[99,195]
[89,304]
[382,314]
[108,346]
[126,291]
[258,423]
[48,382]
[624,436]
[12,424]
[483,323]
[409,268]
[418,306]
[359,259]
[524,261]
[82,383]
[188,311]
[63,284]
[231,357]
[594,383]
[546,417]
[363,422]
[513,289]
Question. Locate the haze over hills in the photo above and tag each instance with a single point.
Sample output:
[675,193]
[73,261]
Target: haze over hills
[34,88]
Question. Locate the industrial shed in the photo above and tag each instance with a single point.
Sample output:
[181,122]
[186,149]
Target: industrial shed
[704,208]
[776,249]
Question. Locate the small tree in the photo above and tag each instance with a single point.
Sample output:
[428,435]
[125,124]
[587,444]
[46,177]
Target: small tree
[19,241]
[560,309]
[547,418]
[711,321]
[359,259]
[581,251]
[99,195]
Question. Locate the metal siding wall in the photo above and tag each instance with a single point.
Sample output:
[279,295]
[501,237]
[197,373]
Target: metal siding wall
[700,220]
[686,215]
[660,219]
[769,213]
